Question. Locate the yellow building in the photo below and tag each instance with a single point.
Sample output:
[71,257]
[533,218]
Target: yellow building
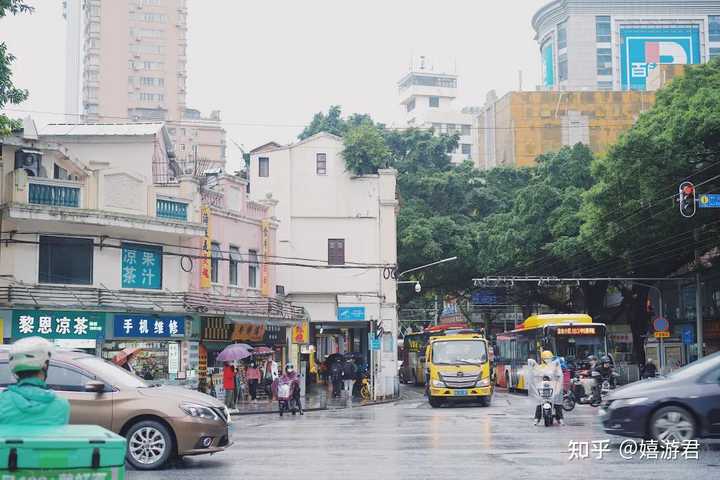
[515,129]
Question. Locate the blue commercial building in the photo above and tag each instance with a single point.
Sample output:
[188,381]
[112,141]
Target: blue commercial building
[618,44]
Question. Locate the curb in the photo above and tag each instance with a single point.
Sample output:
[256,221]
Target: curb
[319,409]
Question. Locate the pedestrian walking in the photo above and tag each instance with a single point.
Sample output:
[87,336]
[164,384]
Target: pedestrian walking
[349,375]
[229,384]
[253,376]
[336,378]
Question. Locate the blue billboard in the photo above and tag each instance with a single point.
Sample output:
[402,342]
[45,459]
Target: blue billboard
[643,48]
[148,326]
[548,65]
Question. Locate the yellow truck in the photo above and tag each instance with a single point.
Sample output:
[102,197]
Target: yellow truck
[458,368]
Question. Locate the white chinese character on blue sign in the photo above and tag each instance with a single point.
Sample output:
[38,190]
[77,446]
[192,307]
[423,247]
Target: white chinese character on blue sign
[141,266]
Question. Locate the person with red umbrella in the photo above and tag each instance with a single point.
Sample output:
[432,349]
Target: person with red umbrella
[125,357]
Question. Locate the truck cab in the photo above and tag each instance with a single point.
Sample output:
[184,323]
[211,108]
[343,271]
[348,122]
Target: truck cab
[458,368]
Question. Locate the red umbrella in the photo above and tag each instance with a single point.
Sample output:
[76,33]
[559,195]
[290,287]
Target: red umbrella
[262,351]
[122,357]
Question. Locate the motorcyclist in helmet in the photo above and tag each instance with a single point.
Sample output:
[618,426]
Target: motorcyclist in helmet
[30,401]
[550,367]
[290,376]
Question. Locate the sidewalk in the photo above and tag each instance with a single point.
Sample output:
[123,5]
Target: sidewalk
[314,401]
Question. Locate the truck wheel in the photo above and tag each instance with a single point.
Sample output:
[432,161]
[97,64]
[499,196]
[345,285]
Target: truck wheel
[149,445]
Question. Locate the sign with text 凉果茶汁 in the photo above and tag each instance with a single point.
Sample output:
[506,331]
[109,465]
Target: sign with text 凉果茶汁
[58,324]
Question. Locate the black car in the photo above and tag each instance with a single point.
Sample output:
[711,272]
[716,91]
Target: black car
[680,406]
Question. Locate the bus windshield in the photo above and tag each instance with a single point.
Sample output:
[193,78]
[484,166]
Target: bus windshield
[579,347]
[459,351]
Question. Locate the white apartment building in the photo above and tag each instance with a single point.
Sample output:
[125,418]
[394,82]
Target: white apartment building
[332,218]
[127,62]
[617,44]
[427,100]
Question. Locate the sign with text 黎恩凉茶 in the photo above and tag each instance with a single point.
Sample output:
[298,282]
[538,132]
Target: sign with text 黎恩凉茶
[148,326]
[58,324]
[141,266]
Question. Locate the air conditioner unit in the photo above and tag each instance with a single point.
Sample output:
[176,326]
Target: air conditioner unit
[28,160]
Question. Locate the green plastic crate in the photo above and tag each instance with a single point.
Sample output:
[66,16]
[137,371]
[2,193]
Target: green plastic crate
[67,452]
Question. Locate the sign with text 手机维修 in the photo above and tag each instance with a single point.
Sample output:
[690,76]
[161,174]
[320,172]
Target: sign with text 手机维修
[58,324]
[141,266]
[351,313]
[148,326]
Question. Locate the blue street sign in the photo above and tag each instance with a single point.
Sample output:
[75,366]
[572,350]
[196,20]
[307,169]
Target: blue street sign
[351,313]
[661,325]
[374,342]
[688,334]
[709,200]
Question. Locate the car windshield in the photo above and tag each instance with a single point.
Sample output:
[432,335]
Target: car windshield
[111,373]
[459,351]
[697,368]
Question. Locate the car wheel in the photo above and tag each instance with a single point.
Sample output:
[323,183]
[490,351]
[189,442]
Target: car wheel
[672,424]
[149,445]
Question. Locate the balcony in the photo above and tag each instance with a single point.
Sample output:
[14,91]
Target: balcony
[53,194]
[171,209]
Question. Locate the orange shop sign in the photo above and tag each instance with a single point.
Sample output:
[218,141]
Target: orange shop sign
[301,333]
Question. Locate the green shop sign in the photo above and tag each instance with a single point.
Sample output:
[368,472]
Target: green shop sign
[58,324]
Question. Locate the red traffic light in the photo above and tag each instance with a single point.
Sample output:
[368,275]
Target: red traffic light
[688,189]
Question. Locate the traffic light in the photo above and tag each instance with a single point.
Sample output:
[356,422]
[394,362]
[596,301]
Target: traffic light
[686,194]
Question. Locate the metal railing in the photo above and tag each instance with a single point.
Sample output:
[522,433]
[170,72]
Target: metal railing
[92,298]
[54,195]
[171,209]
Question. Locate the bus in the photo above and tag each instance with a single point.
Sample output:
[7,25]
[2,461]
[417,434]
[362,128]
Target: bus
[413,354]
[572,336]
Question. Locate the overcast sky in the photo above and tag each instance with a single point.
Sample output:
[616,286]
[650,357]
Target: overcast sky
[274,63]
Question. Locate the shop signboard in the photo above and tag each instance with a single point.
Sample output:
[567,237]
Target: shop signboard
[301,333]
[148,326]
[264,267]
[645,48]
[58,324]
[141,266]
[205,254]
[351,313]
[374,342]
[248,332]
[173,358]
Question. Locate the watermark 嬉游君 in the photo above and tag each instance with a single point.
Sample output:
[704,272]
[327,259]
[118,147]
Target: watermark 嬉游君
[641,449]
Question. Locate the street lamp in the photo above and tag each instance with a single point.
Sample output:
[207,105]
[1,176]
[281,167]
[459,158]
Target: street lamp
[418,287]
[444,260]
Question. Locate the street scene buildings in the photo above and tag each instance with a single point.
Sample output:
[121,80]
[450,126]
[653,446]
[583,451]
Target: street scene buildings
[457,233]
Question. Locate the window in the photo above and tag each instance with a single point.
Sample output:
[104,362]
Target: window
[252,268]
[604,61]
[66,379]
[603,29]
[215,256]
[714,53]
[434,102]
[714,27]
[410,105]
[263,167]
[321,164]
[563,67]
[465,130]
[336,251]
[234,260]
[466,148]
[451,129]
[605,85]
[562,35]
[437,127]
[66,260]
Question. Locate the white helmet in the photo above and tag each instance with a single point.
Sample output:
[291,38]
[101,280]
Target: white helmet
[30,354]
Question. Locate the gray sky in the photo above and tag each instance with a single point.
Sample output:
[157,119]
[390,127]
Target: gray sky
[273,63]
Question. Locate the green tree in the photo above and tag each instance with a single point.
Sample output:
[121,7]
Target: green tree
[8,92]
[631,224]
[365,149]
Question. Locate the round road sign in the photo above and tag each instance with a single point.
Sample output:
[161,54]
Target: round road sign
[661,325]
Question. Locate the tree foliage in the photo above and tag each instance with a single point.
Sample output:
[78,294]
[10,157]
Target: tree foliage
[365,150]
[8,92]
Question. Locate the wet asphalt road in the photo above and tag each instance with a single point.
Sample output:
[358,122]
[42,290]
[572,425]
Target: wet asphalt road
[409,440]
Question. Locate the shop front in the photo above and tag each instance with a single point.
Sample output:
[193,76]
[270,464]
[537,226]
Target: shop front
[157,341]
[74,329]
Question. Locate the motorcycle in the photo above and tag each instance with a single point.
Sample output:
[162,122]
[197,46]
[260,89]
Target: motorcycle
[578,391]
[288,394]
[545,392]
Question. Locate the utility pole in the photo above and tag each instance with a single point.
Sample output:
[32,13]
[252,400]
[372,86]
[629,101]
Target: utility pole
[698,299]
